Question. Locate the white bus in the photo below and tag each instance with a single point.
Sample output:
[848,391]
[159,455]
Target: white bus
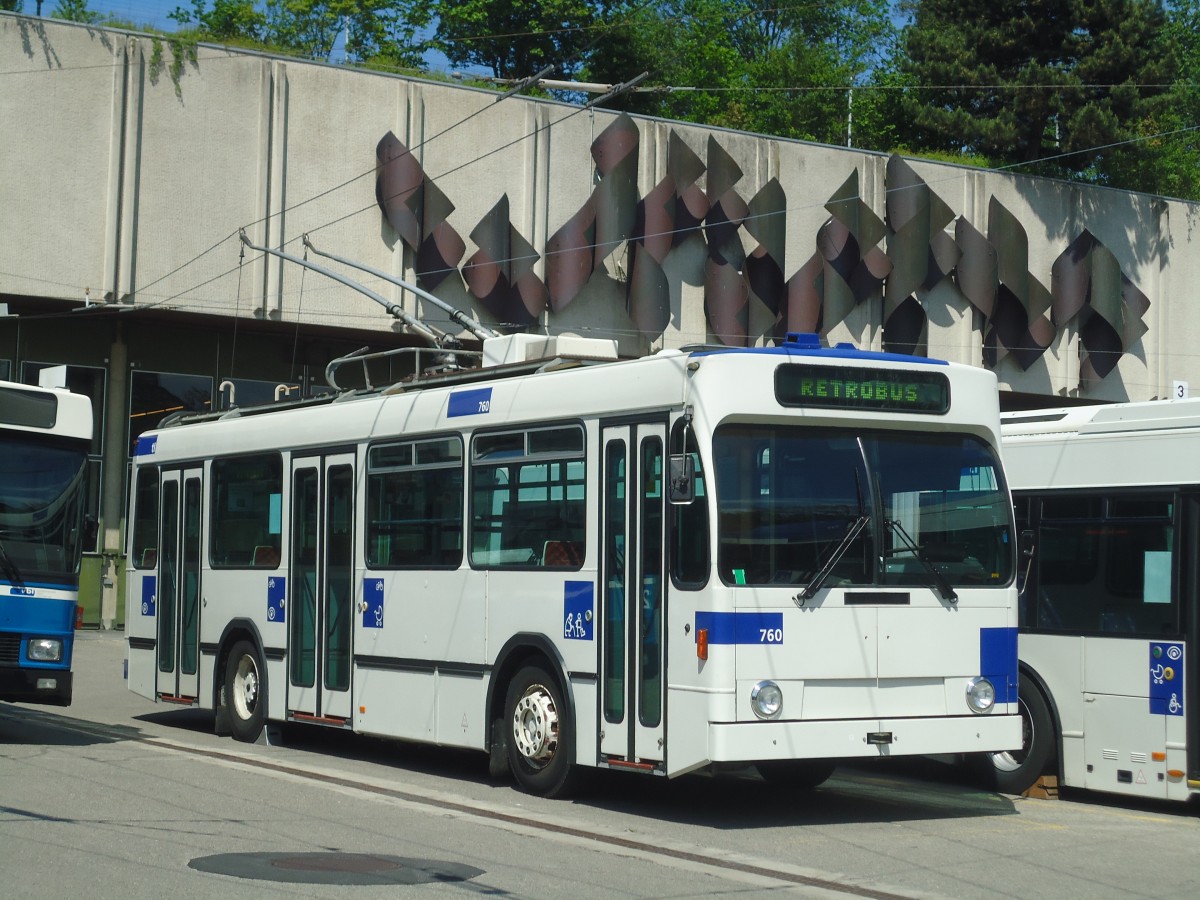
[782,556]
[45,436]
[1108,509]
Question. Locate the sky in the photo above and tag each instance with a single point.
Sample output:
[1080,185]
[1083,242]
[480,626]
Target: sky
[154,13]
[139,12]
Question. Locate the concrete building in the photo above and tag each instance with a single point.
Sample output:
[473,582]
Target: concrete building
[127,180]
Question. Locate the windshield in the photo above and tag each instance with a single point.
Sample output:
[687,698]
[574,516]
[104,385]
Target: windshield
[875,508]
[41,489]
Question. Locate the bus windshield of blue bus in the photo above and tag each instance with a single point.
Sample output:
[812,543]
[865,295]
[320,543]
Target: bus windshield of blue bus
[881,508]
[41,489]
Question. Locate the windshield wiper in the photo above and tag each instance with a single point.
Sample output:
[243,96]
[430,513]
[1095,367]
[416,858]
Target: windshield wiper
[10,567]
[910,545]
[852,531]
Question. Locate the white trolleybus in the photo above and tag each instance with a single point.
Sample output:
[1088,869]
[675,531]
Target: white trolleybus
[1108,511]
[45,436]
[781,557]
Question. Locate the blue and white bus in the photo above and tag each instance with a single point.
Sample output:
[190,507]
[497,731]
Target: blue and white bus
[45,436]
[709,557]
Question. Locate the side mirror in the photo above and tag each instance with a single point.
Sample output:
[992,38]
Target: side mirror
[1025,544]
[681,478]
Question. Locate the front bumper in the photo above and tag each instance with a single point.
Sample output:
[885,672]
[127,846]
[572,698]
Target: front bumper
[859,738]
[21,686]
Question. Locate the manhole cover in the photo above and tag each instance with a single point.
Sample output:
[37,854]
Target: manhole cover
[334,868]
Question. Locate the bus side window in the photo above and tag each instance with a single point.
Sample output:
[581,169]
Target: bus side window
[143,554]
[246,492]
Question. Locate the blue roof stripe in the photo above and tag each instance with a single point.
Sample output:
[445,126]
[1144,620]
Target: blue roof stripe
[809,345]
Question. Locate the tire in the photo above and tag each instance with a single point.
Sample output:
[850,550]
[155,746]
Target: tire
[796,774]
[540,734]
[1015,771]
[245,692]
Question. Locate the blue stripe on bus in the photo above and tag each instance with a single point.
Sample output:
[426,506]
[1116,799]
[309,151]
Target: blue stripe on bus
[41,615]
[31,588]
[809,345]
[146,445]
[741,627]
[998,661]
[475,402]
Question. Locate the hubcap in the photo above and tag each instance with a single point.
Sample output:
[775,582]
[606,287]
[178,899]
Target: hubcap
[245,687]
[1011,760]
[535,725]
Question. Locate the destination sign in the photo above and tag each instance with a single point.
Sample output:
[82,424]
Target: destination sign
[28,409]
[846,387]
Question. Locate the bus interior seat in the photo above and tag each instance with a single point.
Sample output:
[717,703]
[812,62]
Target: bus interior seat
[265,557]
[561,554]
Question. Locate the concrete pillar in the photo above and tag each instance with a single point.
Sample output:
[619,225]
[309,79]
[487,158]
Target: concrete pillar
[116,457]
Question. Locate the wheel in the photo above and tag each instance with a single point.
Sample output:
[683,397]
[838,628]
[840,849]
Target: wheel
[541,734]
[1015,771]
[796,774]
[245,692]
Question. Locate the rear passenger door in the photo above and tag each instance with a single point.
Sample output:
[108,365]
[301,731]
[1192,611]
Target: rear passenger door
[320,610]
[178,582]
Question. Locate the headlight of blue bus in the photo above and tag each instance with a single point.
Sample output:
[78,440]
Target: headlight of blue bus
[44,649]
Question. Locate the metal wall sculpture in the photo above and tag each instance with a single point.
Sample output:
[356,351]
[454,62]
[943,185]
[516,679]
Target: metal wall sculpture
[500,273]
[1016,316]
[1089,286]
[605,220]
[417,210]
[726,293]
[922,256]
[669,216]
[847,268]
[994,276]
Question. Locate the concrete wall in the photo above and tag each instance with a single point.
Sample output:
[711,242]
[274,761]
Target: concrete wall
[118,179]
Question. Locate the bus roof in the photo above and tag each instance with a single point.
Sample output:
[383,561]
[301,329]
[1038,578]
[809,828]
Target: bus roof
[39,410]
[1104,418]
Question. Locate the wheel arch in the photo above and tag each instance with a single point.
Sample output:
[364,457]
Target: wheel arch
[240,629]
[519,650]
[1023,668]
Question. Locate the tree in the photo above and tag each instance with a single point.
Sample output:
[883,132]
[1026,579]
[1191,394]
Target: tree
[378,31]
[76,11]
[1177,152]
[757,65]
[512,38]
[226,20]
[1058,87]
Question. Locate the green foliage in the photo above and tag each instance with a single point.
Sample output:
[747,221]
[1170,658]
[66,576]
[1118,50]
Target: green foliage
[11,5]
[512,38]
[224,20]
[1073,88]
[183,51]
[757,65]
[382,32]
[76,11]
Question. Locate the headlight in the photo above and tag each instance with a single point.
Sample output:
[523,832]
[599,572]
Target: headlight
[981,694]
[44,650]
[766,699]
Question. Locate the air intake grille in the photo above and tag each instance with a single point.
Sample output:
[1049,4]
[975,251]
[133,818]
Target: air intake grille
[10,649]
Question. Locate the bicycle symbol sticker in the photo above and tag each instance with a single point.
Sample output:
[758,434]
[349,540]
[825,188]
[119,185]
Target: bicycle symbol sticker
[372,606]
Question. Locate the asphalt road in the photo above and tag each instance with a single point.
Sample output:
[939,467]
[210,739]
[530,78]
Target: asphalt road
[119,797]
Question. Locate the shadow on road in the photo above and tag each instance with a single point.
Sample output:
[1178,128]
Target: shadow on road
[858,793]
